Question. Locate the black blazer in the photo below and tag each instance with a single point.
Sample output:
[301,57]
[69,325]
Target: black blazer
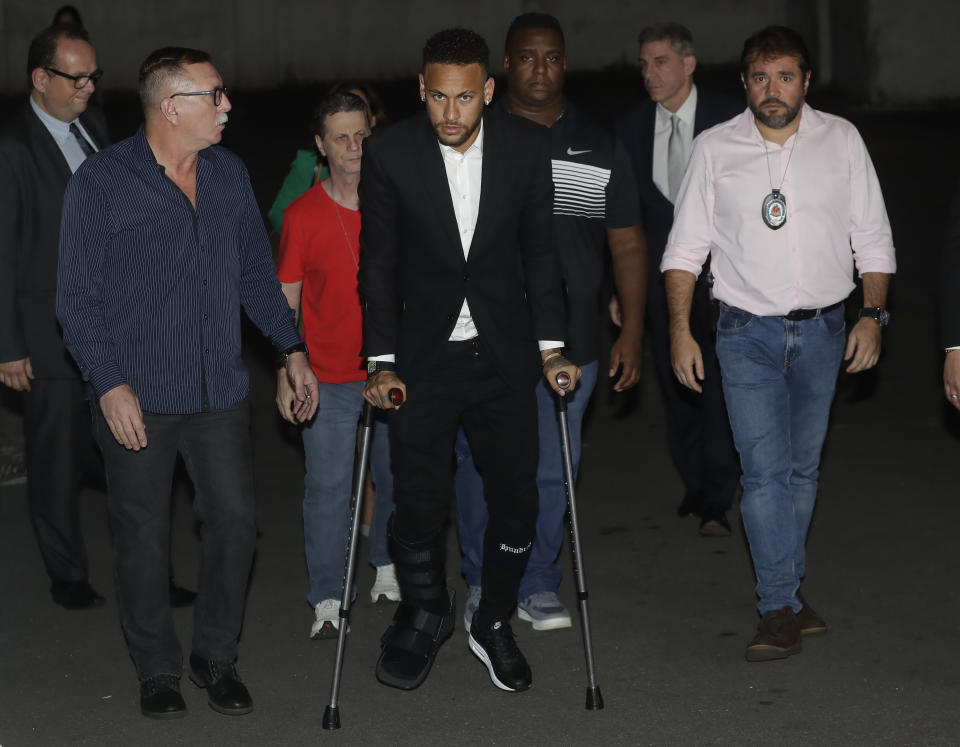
[33,177]
[950,278]
[413,276]
[635,129]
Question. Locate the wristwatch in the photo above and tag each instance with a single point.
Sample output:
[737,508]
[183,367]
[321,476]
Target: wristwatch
[375,367]
[879,314]
[300,347]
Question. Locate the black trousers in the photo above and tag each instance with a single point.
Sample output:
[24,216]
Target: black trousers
[698,429]
[500,422]
[216,450]
[59,447]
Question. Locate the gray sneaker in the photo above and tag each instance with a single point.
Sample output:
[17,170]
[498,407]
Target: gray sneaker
[545,611]
[470,606]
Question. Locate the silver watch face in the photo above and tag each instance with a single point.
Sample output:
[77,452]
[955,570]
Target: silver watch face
[879,314]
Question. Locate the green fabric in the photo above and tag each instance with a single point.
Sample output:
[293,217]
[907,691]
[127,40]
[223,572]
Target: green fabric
[298,181]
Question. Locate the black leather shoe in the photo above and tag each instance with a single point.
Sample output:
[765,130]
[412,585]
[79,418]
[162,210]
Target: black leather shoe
[691,504]
[76,595]
[226,694]
[181,597]
[495,646]
[714,523]
[160,697]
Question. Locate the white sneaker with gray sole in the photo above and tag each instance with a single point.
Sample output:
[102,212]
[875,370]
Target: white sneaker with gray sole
[545,611]
[385,588]
[327,623]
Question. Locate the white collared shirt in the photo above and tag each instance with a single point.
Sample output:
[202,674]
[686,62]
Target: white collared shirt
[687,113]
[60,132]
[464,171]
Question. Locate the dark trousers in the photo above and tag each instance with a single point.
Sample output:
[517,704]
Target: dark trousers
[216,450]
[59,446]
[501,426]
[698,429]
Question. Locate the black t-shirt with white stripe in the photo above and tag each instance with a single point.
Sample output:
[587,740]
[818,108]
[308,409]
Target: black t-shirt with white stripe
[594,189]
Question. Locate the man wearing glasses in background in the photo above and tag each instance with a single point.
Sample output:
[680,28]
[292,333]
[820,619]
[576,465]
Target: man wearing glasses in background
[161,246]
[39,149]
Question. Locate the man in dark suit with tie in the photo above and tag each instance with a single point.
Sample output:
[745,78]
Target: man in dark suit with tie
[39,150]
[461,287]
[659,133]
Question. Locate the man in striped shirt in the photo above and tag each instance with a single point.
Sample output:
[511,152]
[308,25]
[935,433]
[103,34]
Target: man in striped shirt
[161,247]
[595,205]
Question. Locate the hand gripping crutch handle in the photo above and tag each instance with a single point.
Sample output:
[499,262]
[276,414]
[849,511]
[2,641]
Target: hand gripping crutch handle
[331,714]
[594,700]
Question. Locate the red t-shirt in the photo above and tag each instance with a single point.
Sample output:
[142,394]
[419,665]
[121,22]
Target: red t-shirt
[321,249]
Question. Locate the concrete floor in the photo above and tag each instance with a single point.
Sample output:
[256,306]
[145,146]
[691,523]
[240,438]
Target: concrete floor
[671,611]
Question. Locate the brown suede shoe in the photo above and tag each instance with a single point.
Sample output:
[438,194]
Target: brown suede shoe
[810,622]
[778,636]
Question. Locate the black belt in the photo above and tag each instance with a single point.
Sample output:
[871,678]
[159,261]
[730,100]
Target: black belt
[799,315]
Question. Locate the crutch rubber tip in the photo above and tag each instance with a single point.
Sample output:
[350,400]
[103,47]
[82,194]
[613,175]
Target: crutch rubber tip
[331,718]
[594,700]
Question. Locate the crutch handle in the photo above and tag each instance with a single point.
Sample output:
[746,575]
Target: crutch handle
[563,381]
[396,396]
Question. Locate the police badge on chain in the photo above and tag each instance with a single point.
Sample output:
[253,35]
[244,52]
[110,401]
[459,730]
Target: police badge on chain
[774,211]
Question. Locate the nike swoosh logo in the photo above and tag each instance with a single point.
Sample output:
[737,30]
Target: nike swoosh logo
[572,152]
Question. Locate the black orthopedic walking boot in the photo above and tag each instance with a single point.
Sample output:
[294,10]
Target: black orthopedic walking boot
[423,620]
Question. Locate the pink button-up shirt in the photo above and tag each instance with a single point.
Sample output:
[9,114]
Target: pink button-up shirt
[835,215]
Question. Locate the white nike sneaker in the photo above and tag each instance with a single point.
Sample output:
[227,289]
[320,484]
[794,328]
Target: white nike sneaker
[327,624]
[385,588]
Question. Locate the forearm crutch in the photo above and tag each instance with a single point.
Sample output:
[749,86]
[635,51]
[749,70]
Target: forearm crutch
[594,697]
[331,714]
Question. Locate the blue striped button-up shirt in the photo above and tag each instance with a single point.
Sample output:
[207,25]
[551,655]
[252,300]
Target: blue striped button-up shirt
[150,290]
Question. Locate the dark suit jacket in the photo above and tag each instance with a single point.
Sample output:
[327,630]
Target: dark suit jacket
[635,129]
[950,278]
[413,276]
[33,177]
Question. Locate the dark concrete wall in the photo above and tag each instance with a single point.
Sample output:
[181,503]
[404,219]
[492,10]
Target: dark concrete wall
[872,49]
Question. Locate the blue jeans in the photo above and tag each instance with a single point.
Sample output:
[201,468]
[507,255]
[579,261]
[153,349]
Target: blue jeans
[543,571]
[779,379]
[329,445]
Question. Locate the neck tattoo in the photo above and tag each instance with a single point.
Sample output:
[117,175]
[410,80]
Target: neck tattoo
[774,210]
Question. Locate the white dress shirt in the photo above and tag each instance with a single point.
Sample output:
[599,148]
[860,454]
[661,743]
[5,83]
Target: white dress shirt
[835,215]
[463,178]
[687,114]
[60,132]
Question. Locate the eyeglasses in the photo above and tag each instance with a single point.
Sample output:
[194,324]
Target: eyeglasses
[217,93]
[79,81]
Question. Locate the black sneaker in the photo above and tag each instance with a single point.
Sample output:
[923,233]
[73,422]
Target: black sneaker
[494,645]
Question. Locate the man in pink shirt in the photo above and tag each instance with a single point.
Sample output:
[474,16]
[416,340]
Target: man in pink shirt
[784,234]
